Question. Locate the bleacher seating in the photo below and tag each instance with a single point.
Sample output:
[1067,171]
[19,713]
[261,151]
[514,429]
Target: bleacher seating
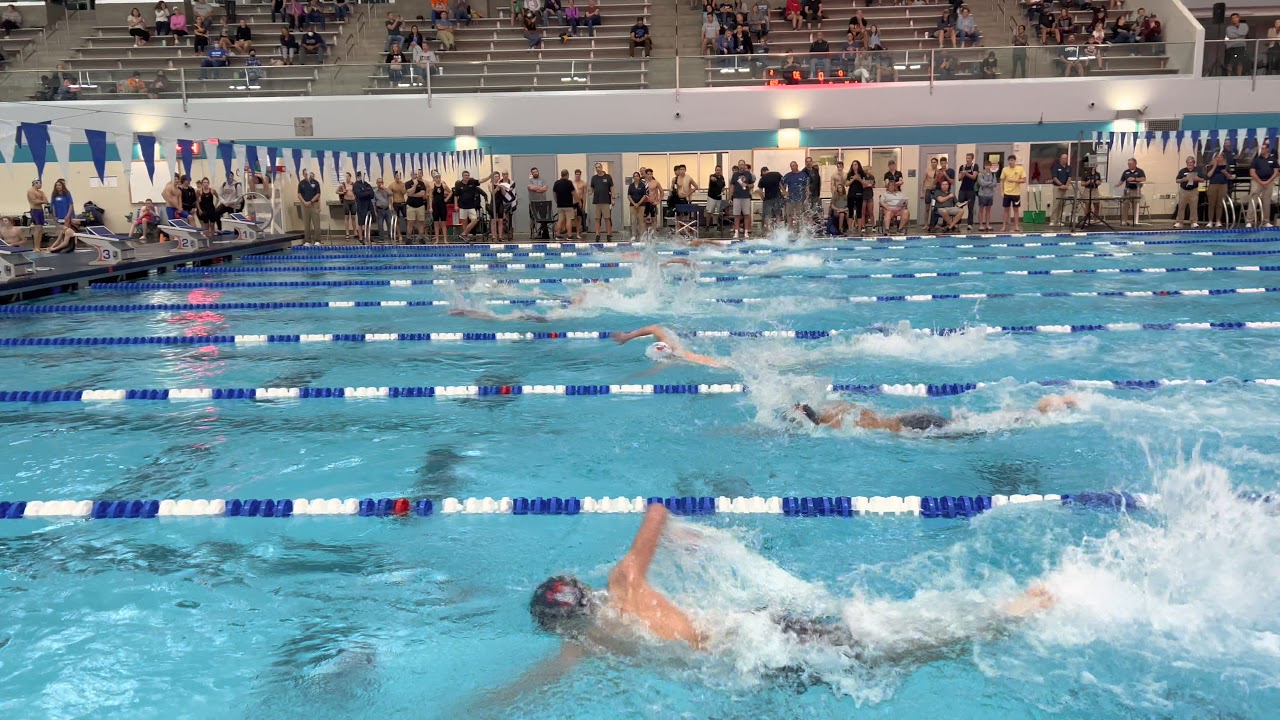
[20,43]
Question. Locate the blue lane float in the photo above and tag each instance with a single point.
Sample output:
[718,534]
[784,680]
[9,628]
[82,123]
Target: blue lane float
[487,337]
[917,390]
[481,267]
[950,507]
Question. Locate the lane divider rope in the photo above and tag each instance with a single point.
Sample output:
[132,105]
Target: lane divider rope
[478,267]
[921,390]
[946,506]
[249,340]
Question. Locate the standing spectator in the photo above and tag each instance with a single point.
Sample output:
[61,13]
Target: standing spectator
[636,193]
[579,204]
[715,197]
[1060,177]
[653,199]
[60,203]
[313,43]
[770,199]
[1273,49]
[928,183]
[309,199]
[415,201]
[564,193]
[858,180]
[348,198]
[469,195]
[382,211]
[602,201]
[398,204]
[503,205]
[539,206]
[1219,175]
[138,28]
[440,194]
[11,20]
[162,18]
[207,208]
[1188,180]
[795,186]
[814,191]
[394,25]
[364,194]
[1263,175]
[967,28]
[1012,178]
[1132,179]
[967,193]
[1238,58]
[742,182]
[640,38]
[987,181]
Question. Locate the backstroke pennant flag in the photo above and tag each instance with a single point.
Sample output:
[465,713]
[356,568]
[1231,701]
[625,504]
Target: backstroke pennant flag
[147,146]
[97,141]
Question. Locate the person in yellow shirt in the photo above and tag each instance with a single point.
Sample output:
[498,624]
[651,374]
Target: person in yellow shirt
[1012,179]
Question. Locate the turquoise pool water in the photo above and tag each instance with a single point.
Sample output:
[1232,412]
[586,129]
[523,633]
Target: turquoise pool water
[1167,613]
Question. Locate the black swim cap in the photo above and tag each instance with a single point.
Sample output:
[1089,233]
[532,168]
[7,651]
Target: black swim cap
[559,601]
[809,413]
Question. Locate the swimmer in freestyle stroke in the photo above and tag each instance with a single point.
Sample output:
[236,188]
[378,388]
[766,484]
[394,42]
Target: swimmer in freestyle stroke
[630,610]
[841,414]
[667,346]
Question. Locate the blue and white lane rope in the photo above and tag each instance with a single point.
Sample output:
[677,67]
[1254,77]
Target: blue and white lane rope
[137,287]
[477,267]
[822,506]
[255,340]
[919,390]
[562,302]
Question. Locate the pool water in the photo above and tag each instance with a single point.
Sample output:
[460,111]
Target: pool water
[1166,613]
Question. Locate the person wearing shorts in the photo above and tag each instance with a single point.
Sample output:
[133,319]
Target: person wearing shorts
[440,194]
[566,204]
[415,211]
[742,182]
[602,201]
[1012,178]
[36,200]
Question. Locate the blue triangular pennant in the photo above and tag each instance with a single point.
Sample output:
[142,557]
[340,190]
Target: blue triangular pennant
[97,140]
[147,146]
[36,138]
[320,162]
[273,154]
[382,164]
[186,154]
[368,169]
[251,157]
[226,151]
[297,162]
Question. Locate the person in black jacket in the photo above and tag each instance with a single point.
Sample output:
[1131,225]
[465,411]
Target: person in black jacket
[364,208]
[468,194]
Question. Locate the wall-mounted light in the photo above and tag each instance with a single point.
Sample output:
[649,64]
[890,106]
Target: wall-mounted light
[464,138]
[789,133]
[1127,120]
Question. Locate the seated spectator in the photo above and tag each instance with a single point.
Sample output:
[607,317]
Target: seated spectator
[178,25]
[791,11]
[591,18]
[341,10]
[812,11]
[894,206]
[887,71]
[865,66]
[1034,9]
[848,51]
[1062,27]
[945,28]
[395,65]
[135,83]
[11,20]
[414,37]
[462,11]
[572,17]
[1099,34]
[710,30]
[1070,58]
[253,72]
[967,28]
[724,45]
[1239,61]
[216,58]
[288,46]
[439,9]
[200,41]
[758,19]
[1047,24]
[67,91]
[313,43]
[640,38]
[444,33]
[740,43]
[314,15]
[424,56]
[858,24]
[1151,30]
[162,18]
[243,37]
[1273,50]
[531,32]
[294,10]
[818,59]
[871,39]
[792,74]
[990,67]
[202,10]
[552,11]
[138,28]
[726,14]
[159,85]
[947,66]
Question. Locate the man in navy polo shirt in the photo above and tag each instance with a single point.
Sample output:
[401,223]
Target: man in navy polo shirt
[1060,174]
[1263,185]
[1132,179]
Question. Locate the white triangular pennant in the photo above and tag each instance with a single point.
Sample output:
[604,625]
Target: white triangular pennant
[60,139]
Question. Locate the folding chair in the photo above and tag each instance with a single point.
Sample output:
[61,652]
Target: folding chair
[688,218]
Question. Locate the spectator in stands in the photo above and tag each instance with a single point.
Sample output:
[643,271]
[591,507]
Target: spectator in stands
[531,32]
[710,31]
[1132,179]
[820,61]
[138,28]
[294,10]
[202,10]
[886,70]
[243,37]
[1238,58]
[135,83]
[726,15]
[640,37]
[159,85]
[424,56]
[792,12]
[314,15]
[1273,49]
[11,20]
[439,8]
[1098,36]
[1064,26]
[989,68]
[552,10]
[858,24]
[216,58]
[1263,175]
[946,66]
[1012,178]
[1188,180]
[395,68]
[591,18]
[414,37]
[200,41]
[395,24]
[1069,58]
[758,19]
[742,183]
[945,28]
[1099,16]
[849,53]
[1047,23]
[162,18]
[444,33]
[341,10]
[313,43]
[1123,31]
[813,13]
[178,25]
[288,46]
[277,11]
[462,12]
[967,28]
[572,17]
[987,181]
[1219,175]
[871,39]
[1151,30]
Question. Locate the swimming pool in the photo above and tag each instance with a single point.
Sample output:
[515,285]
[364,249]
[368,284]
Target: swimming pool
[1162,613]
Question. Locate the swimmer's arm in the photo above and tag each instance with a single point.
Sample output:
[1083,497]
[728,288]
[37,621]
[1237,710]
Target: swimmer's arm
[656,331]
[545,673]
[635,564]
[1035,601]
[700,359]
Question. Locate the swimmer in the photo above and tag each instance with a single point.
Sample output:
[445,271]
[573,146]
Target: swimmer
[629,612]
[667,347]
[486,315]
[842,414]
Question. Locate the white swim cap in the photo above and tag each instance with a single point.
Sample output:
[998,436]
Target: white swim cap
[658,352]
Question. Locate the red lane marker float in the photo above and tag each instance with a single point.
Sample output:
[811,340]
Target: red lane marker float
[400,507]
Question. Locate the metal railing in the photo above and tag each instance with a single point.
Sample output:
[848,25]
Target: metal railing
[1241,58]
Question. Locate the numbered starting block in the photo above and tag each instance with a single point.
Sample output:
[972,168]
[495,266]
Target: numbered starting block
[186,237]
[112,249]
[14,263]
[246,228]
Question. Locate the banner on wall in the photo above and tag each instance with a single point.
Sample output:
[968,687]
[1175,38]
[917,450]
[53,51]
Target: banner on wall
[226,151]
[186,154]
[124,149]
[147,147]
[36,137]
[60,141]
[97,142]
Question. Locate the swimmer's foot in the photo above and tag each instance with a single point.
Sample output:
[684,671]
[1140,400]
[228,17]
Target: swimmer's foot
[1035,600]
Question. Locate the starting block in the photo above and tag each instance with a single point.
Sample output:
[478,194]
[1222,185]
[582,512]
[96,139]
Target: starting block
[14,263]
[246,228]
[186,237]
[112,248]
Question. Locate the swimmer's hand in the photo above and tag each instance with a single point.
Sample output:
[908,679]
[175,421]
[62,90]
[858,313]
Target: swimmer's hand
[1034,601]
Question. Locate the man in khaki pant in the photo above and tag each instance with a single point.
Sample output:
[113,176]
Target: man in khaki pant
[309,197]
[1060,174]
[1263,173]
[1188,194]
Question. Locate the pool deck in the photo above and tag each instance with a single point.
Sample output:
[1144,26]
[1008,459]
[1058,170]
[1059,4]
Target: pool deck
[63,273]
